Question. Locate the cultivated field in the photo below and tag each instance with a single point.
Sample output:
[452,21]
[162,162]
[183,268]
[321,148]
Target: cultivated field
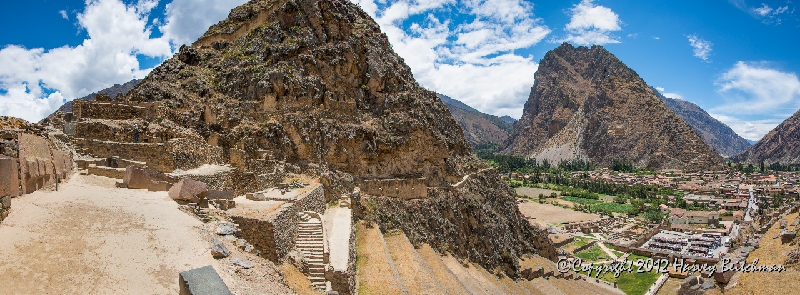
[547,214]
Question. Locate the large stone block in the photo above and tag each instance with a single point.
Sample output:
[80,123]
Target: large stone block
[140,178]
[273,233]
[188,190]
[9,177]
[202,281]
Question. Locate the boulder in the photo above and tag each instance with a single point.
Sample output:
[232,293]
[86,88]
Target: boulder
[204,280]
[188,190]
[218,250]
[140,178]
[244,263]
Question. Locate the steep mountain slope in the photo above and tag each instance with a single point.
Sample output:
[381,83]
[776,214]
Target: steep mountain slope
[781,145]
[587,104]
[313,86]
[478,128]
[715,133]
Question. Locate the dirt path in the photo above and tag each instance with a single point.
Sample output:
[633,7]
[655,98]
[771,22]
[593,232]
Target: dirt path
[91,238]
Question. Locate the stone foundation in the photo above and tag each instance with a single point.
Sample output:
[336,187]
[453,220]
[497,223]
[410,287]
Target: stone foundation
[313,200]
[273,234]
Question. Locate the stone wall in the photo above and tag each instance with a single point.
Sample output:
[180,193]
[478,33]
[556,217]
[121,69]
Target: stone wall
[413,188]
[39,165]
[28,163]
[9,177]
[313,200]
[191,154]
[273,234]
[108,110]
[156,155]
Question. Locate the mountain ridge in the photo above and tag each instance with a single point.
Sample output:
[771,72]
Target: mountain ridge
[478,127]
[585,103]
[715,133]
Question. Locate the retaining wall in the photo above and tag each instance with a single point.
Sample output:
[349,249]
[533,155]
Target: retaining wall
[273,235]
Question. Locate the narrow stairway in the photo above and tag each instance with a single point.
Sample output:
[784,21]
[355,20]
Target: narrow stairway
[310,242]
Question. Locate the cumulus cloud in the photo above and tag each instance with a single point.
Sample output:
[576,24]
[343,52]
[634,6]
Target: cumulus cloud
[469,54]
[755,90]
[701,48]
[748,129]
[35,82]
[592,24]
[63,14]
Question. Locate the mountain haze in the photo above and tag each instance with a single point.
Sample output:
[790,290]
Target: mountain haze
[587,104]
[715,133]
[478,128]
[781,145]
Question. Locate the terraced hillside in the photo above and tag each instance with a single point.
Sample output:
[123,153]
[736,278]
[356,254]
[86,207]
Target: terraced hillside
[389,264]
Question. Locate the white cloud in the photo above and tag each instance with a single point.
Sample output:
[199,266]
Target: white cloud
[763,10]
[748,129]
[766,13]
[701,48]
[34,82]
[753,90]
[187,20]
[592,24]
[656,38]
[470,57]
[63,14]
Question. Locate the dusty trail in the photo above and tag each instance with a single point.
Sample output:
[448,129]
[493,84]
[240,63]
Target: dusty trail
[91,238]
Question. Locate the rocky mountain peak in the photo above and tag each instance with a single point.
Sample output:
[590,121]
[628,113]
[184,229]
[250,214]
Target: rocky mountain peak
[313,87]
[587,104]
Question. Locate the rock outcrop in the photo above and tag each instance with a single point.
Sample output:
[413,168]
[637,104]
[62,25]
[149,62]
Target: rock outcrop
[478,128]
[587,104]
[313,86]
[781,145]
[715,133]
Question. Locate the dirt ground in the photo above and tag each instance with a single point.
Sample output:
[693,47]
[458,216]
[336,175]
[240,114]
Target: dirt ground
[92,238]
[533,192]
[547,214]
[770,252]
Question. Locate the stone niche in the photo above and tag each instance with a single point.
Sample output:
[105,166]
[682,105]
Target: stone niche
[406,189]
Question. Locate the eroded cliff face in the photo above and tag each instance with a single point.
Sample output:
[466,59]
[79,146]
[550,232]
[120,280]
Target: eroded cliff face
[587,104]
[315,84]
[781,145]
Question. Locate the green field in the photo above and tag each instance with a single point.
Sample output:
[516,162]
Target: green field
[593,254]
[632,283]
[597,206]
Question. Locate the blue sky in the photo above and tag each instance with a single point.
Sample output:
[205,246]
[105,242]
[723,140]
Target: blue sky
[736,59]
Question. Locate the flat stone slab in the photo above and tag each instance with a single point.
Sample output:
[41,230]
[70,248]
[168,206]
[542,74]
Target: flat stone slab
[202,281]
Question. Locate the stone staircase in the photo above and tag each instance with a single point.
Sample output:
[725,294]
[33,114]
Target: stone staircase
[310,242]
[419,270]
